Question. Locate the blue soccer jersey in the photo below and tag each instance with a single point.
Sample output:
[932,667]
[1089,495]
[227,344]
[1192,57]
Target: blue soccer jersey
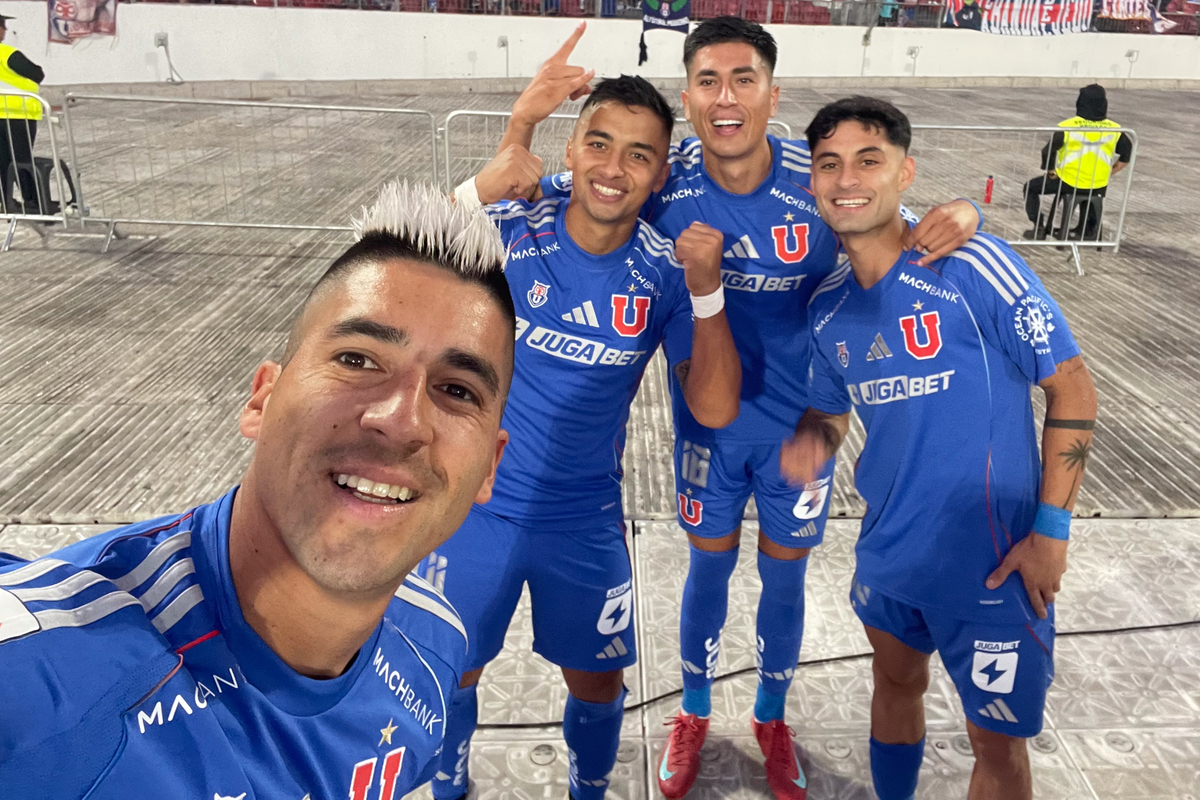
[129,670]
[938,363]
[586,328]
[777,250]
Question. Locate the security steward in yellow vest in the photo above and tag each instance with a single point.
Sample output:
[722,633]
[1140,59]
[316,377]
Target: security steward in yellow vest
[18,122]
[1080,164]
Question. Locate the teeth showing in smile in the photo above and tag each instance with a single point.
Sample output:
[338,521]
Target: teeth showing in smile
[727,123]
[853,202]
[375,492]
[607,191]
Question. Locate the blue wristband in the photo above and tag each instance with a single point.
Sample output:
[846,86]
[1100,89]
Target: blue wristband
[1052,521]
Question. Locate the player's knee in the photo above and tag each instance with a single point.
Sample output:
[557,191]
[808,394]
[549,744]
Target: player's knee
[594,687]
[779,552]
[900,680]
[998,753]
[721,545]
[470,678]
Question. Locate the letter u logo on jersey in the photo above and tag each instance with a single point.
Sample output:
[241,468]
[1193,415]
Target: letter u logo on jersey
[641,311]
[783,245]
[364,771]
[933,335]
[691,510]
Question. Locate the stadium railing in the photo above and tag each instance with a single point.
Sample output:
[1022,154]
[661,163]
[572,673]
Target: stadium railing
[233,163]
[992,165]
[471,138]
[30,172]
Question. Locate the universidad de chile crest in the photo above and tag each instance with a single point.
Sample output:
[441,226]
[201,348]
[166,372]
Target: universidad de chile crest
[537,295]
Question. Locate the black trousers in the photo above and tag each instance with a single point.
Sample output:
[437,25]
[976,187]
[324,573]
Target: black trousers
[1045,184]
[16,146]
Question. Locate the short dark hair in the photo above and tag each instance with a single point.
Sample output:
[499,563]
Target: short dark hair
[870,111]
[635,91]
[719,30]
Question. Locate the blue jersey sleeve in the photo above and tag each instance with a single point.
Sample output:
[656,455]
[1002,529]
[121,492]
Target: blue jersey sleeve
[1013,309]
[677,336]
[65,686]
[556,185]
[826,387]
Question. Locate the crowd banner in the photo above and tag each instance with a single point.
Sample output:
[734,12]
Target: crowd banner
[1021,17]
[669,15]
[71,20]
[1125,9]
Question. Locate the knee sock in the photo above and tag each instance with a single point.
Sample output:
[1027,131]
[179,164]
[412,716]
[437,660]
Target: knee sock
[780,628]
[451,780]
[705,603]
[592,732]
[895,768]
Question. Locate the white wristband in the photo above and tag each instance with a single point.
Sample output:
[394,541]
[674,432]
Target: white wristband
[467,196]
[709,305]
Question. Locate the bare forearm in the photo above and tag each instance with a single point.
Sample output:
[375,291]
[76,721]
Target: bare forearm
[712,386]
[518,132]
[1067,436]
[830,428]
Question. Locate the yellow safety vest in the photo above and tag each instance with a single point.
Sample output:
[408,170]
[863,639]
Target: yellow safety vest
[1085,160]
[15,106]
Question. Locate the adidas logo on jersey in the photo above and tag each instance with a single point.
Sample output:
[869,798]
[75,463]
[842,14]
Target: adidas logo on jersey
[742,248]
[613,649]
[583,315]
[879,350]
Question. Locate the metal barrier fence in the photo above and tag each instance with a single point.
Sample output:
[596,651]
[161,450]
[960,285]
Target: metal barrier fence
[471,139]
[27,163]
[992,165]
[300,166]
[232,163]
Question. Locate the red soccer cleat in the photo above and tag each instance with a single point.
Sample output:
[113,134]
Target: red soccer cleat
[680,762]
[784,774]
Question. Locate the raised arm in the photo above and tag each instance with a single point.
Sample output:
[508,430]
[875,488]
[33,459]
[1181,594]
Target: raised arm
[556,82]
[943,230]
[1041,557]
[712,377]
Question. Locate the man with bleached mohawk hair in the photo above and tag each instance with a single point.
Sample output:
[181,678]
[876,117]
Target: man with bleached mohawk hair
[272,643]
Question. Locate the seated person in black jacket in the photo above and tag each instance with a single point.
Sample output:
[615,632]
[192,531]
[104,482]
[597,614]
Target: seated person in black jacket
[1079,164]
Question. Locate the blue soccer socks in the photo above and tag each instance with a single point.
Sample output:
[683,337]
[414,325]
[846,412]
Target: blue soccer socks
[780,622]
[705,603]
[592,732]
[895,768]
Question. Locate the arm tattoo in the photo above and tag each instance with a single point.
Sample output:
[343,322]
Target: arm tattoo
[1072,424]
[681,371]
[1076,457]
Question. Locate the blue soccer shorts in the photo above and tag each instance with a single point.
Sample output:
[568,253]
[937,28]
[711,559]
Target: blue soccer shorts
[713,483]
[1002,671]
[580,585]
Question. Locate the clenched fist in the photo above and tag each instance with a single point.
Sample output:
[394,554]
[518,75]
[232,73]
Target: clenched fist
[698,248]
[514,173]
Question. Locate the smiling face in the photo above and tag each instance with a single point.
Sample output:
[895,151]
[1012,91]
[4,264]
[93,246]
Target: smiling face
[858,177]
[730,98]
[383,427]
[617,156]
